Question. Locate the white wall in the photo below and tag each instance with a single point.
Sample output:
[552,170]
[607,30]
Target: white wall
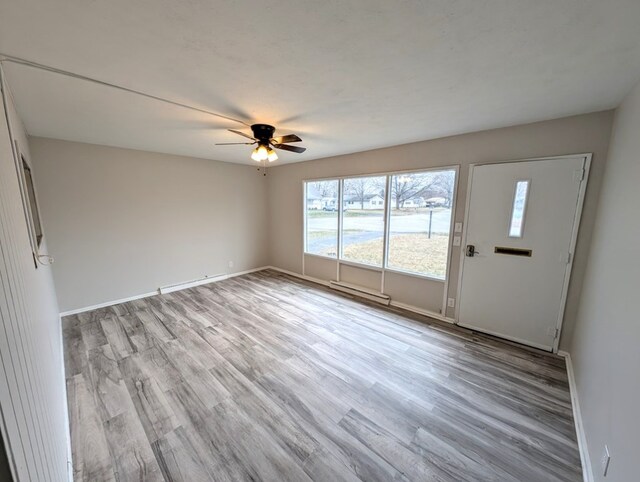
[122,222]
[606,344]
[32,387]
[571,135]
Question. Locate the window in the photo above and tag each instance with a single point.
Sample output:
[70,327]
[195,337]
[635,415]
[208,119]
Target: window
[363,220]
[516,226]
[32,214]
[321,218]
[419,222]
[417,228]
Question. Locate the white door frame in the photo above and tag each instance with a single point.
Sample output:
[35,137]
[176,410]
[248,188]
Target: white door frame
[574,233]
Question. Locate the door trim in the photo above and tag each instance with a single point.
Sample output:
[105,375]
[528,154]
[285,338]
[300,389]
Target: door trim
[574,239]
[586,157]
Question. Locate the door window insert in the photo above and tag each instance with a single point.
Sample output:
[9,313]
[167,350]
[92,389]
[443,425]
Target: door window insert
[518,209]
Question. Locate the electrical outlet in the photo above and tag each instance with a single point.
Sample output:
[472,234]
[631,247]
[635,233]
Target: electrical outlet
[604,462]
[230,264]
[451,302]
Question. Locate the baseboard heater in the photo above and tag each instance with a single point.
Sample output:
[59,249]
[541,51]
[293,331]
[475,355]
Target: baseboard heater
[190,284]
[361,291]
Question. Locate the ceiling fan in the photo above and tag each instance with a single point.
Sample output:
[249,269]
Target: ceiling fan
[263,136]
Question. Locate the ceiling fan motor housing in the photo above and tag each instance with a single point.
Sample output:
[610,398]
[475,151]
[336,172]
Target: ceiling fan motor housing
[263,136]
[263,132]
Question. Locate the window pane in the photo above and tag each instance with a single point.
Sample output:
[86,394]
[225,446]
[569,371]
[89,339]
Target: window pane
[419,222]
[363,219]
[322,218]
[519,205]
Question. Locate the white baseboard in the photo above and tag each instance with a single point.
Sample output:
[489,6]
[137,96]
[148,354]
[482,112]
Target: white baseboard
[107,303]
[396,304]
[301,276]
[190,284]
[587,473]
[166,289]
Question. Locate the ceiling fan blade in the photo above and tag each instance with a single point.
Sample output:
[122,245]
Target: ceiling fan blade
[242,134]
[285,147]
[234,143]
[286,139]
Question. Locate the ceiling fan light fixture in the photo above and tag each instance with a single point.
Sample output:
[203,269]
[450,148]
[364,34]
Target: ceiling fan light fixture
[266,143]
[260,154]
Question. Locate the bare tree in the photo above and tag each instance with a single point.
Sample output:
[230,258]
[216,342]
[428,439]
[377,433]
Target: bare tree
[402,188]
[407,186]
[326,189]
[441,185]
[446,181]
[359,188]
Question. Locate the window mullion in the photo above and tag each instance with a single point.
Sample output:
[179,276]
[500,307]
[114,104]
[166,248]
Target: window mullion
[305,214]
[340,223]
[387,211]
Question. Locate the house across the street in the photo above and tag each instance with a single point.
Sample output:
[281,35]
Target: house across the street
[416,202]
[316,201]
[368,201]
[435,202]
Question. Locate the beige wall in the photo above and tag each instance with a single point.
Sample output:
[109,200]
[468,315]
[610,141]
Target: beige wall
[605,347]
[32,387]
[122,222]
[573,135]
[122,230]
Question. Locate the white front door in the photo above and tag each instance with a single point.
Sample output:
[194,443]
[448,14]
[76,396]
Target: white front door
[520,233]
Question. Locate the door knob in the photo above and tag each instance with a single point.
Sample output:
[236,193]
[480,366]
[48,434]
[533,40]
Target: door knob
[471,250]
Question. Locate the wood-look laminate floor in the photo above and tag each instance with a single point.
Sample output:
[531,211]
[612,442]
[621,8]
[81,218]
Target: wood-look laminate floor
[265,377]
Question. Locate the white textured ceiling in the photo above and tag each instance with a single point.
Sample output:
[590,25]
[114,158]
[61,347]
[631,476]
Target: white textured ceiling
[346,76]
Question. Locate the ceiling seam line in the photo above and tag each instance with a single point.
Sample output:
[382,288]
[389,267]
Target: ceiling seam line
[47,68]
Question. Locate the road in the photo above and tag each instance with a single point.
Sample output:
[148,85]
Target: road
[358,229]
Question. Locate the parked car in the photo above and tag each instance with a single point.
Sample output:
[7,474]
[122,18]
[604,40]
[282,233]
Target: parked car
[436,202]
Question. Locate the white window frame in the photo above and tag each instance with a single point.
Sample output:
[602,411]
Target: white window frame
[387,214]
